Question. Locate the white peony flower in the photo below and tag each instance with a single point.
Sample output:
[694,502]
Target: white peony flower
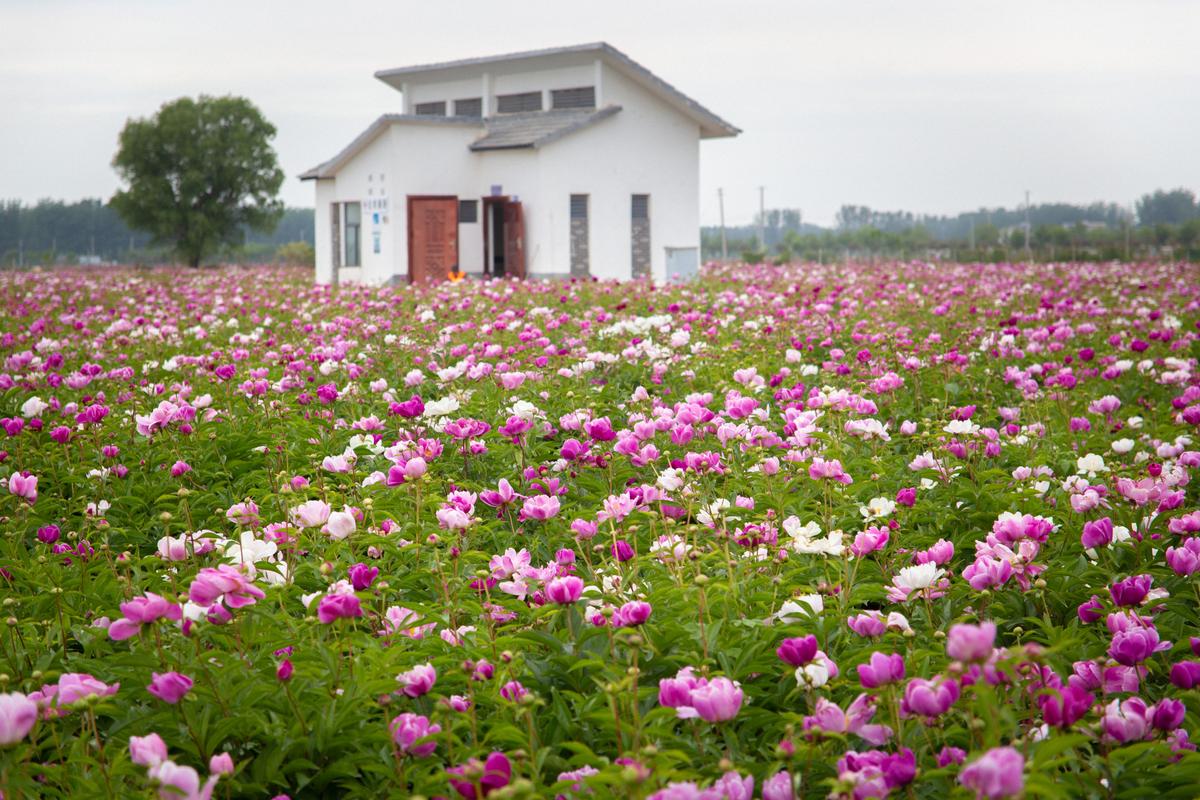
[814,674]
[918,576]
[878,508]
[803,607]
[33,407]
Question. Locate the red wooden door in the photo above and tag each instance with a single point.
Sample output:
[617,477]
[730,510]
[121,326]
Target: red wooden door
[432,238]
[514,239]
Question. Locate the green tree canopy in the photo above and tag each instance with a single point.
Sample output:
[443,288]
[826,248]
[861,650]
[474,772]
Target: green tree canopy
[199,172]
[1169,208]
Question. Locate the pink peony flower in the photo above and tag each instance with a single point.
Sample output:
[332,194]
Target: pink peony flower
[170,687]
[17,716]
[998,773]
[408,731]
[418,680]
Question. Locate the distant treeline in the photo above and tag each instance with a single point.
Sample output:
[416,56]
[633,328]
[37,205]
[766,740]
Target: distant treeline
[54,232]
[1165,223]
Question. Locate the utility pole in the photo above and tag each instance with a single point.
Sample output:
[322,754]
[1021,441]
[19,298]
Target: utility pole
[1027,253]
[972,236]
[724,243]
[1128,230]
[762,218]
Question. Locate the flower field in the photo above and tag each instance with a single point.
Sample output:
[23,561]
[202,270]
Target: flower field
[817,531]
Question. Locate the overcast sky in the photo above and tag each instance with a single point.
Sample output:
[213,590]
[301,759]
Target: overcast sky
[921,105]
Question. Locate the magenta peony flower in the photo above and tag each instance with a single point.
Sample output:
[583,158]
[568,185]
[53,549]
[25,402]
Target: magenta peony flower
[338,606]
[1062,707]
[362,576]
[408,731]
[929,698]
[170,687]
[1097,533]
[1131,591]
[418,680]
[798,651]
[564,590]
[881,670]
[1134,645]
[492,774]
[632,614]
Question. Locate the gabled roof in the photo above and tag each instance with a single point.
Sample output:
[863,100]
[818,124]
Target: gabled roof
[330,167]
[537,128]
[503,132]
[711,126]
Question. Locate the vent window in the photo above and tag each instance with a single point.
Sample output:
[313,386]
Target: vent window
[579,206]
[468,211]
[516,103]
[437,109]
[469,107]
[641,206]
[579,97]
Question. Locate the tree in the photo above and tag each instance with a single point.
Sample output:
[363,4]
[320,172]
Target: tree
[199,173]
[1170,208]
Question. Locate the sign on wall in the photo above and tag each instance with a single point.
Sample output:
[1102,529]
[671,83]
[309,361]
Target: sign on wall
[377,207]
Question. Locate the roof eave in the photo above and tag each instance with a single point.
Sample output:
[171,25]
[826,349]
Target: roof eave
[485,148]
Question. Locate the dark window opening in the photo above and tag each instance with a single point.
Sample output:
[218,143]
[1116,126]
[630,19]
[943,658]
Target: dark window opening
[437,109]
[579,206]
[516,103]
[469,107]
[468,211]
[353,231]
[497,223]
[641,206]
[579,97]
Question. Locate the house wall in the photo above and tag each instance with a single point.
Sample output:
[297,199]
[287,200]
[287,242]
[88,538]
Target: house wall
[322,246]
[646,148]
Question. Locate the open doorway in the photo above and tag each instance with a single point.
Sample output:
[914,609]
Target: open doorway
[503,237]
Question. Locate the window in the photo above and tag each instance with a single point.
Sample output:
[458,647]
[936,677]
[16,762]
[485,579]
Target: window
[579,236]
[468,211]
[579,97]
[353,225]
[641,206]
[639,230]
[579,206]
[437,109]
[515,103]
[469,107]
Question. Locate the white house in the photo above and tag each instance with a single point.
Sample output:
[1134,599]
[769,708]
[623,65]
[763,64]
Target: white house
[569,161]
